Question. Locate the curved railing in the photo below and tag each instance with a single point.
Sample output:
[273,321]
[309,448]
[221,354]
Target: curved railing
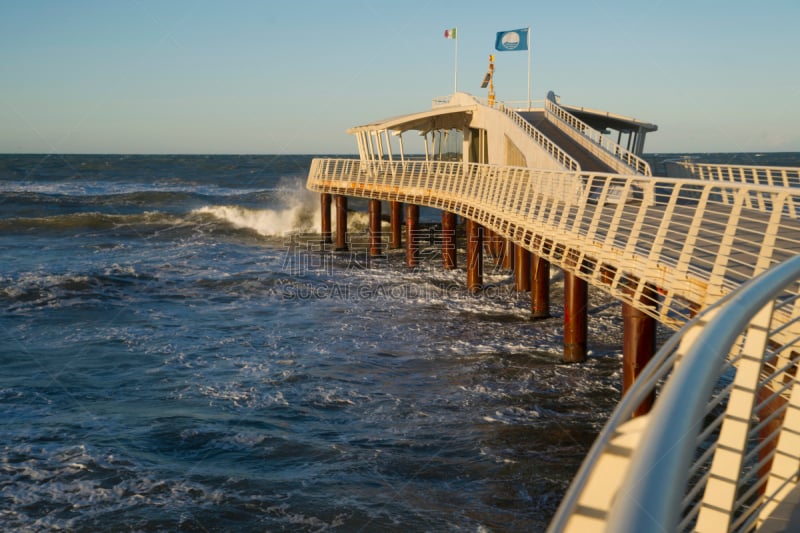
[609,152]
[759,175]
[719,449]
[567,161]
[669,247]
[555,151]
[748,175]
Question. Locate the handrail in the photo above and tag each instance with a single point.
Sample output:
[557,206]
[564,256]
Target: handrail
[517,105]
[552,148]
[698,460]
[693,241]
[611,153]
[555,151]
[756,175]
[760,175]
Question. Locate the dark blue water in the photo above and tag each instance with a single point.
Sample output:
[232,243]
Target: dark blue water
[176,354]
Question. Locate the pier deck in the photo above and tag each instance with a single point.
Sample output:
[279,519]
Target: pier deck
[675,250]
[692,241]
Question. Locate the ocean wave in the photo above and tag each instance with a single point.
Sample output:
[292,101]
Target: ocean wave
[75,487]
[87,221]
[38,289]
[81,189]
[267,222]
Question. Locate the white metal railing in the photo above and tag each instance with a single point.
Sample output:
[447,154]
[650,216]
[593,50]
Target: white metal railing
[748,175]
[631,235]
[719,450]
[759,175]
[508,109]
[611,153]
[517,105]
[552,148]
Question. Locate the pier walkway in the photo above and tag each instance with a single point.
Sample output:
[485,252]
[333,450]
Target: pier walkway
[712,253]
[583,157]
[693,241]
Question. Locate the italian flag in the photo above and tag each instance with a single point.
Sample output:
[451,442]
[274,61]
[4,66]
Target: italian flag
[450,34]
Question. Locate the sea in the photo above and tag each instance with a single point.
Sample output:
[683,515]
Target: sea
[180,351]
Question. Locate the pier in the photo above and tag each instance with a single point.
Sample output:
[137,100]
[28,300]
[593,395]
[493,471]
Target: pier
[553,189]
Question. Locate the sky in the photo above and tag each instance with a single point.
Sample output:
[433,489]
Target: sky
[289,77]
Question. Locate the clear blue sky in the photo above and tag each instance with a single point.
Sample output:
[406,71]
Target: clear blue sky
[187,76]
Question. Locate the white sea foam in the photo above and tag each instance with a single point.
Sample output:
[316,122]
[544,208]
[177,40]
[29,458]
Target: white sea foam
[298,212]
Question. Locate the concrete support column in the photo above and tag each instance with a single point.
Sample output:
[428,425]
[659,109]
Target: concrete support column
[474,256]
[375,228]
[638,345]
[325,215]
[341,223]
[540,287]
[576,301]
[449,250]
[412,228]
[396,222]
[522,269]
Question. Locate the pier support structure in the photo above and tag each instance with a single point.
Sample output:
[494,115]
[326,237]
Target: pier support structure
[508,254]
[375,247]
[638,345]
[493,245]
[474,256]
[341,223]
[412,228]
[395,224]
[522,269]
[540,287]
[449,251]
[325,215]
[576,302]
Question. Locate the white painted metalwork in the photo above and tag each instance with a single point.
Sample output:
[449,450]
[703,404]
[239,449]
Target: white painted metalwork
[555,151]
[609,152]
[787,177]
[552,148]
[719,450]
[759,175]
[701,460]
[692,241]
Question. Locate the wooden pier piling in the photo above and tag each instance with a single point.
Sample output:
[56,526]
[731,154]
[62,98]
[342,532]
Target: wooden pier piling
[449,251]
[540,287]
[375,245]
[522,269]
[325,215]
[508,254]
[576,301]
[412,228]
[638,345]
[341,223]
[395,223]
[474,256]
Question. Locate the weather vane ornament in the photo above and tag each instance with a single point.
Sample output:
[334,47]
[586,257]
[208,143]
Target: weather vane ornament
[489,80]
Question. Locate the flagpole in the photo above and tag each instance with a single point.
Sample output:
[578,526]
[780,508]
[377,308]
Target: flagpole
[529,68]
[455,74]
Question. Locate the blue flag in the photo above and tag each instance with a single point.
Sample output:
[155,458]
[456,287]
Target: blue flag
[512,40]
